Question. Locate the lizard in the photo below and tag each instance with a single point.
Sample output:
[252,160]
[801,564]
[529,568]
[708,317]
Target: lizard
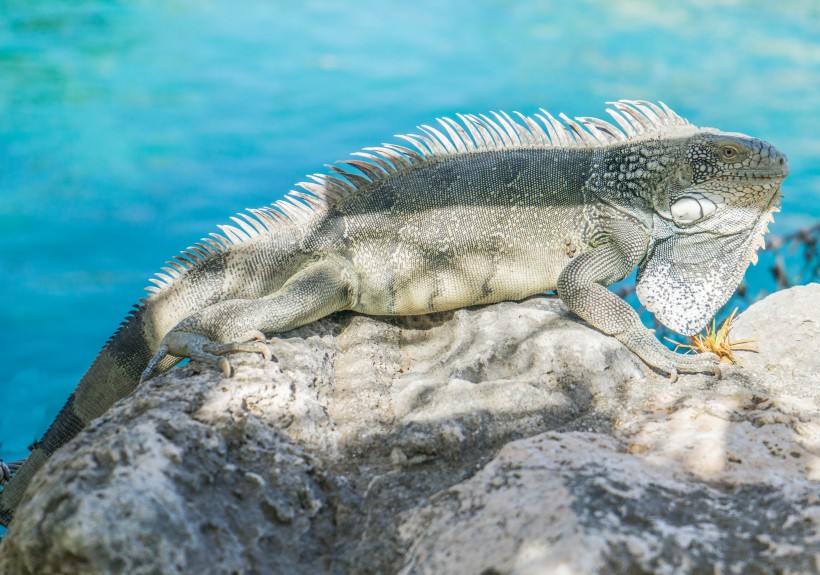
[473,211]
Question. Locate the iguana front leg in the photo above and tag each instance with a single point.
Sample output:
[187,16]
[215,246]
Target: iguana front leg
[325,286]
[581,286]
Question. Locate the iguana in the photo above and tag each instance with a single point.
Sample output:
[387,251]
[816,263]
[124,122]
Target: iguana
[475,211]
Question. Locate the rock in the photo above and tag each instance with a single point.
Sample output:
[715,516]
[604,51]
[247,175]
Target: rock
[503,439]
[578,503]
[786,325]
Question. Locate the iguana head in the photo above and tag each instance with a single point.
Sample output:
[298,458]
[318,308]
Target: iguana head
[711,213]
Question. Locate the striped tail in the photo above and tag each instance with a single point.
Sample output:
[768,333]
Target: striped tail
[114,374]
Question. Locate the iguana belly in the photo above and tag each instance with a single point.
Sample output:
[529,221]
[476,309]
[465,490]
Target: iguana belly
[449,282]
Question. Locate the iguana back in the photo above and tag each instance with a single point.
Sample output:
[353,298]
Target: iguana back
[414,235]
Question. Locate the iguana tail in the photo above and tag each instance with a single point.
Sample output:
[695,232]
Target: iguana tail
[113,375]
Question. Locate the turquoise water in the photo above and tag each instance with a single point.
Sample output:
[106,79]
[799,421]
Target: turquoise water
[128,130]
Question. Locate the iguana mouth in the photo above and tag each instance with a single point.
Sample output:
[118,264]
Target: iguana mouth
[775,170]
[773,174]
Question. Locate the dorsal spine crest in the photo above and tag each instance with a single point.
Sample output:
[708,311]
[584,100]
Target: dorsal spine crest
[635,119]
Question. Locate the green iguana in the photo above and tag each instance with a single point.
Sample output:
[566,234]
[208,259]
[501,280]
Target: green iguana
[478,211]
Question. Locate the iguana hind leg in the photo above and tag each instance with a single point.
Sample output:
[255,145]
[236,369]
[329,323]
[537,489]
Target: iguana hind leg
[581,286]
[323,287]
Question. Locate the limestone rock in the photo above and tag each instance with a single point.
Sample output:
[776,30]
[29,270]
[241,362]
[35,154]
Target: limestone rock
[786,325]
[503,439]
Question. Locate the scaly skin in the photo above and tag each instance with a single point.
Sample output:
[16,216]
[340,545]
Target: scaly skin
[494,210]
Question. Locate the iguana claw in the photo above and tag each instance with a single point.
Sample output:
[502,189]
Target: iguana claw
[258,336]
[225,365]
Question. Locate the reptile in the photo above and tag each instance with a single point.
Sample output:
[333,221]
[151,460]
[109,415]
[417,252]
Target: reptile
[472,211]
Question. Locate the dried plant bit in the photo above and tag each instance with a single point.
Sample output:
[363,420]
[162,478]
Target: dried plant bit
[717,341]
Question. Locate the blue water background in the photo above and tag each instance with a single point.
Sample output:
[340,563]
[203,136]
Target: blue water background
[128,130]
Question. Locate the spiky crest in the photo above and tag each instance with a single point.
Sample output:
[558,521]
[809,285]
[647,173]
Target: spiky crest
[635,118]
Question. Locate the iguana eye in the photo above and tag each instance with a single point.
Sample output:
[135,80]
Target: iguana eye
[729,153]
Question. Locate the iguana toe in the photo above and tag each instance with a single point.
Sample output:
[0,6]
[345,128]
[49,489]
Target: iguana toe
[211,349]
[257,335]
[161,353]
[256,344]
[699,363]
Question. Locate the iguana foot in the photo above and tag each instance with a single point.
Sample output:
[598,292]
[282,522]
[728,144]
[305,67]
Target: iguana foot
[200,348]
[645,345]
[7,470]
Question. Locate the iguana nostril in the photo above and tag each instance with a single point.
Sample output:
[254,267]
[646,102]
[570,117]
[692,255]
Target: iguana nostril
[783,161]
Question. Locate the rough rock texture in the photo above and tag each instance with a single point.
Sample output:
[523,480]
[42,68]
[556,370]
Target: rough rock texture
[503,439]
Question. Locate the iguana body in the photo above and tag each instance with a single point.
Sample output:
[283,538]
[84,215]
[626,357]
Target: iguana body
[481,211]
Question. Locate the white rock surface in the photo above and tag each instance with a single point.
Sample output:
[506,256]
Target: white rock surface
[504,439]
